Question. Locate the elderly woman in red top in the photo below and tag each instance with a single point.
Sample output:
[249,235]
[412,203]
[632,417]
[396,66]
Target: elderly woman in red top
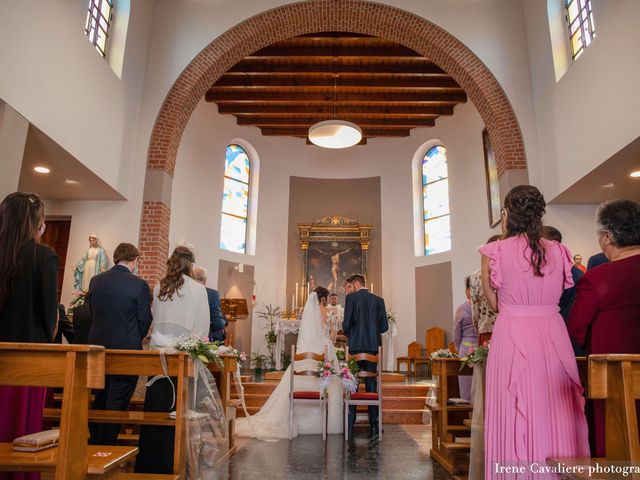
[606,314]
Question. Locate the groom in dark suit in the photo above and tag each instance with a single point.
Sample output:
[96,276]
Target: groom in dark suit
[365,319]
[119,302]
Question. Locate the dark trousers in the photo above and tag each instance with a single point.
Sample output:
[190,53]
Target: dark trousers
[156,442]
[370,385]
[116,395]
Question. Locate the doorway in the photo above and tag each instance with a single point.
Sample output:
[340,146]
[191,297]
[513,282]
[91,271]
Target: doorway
[56,236]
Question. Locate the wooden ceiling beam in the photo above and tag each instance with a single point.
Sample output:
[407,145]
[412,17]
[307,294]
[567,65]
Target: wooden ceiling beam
[300,65]
[335,50]
[242,108]
[361,122]
[366,132]
[328,96]
[254,79]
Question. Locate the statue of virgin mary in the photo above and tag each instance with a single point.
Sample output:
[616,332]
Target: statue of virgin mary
[93,262]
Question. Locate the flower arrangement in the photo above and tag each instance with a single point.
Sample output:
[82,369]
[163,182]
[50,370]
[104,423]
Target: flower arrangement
[348,375]
[325,371]
[79,298]
[341,354]
[476,354]
[200,348]
[443,353]
[391,317]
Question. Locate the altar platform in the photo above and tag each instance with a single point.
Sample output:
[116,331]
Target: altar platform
[403,398]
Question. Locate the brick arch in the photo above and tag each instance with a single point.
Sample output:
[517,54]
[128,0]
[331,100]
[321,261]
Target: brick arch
[353,16]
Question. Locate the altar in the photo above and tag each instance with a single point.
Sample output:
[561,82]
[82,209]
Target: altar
[285,326]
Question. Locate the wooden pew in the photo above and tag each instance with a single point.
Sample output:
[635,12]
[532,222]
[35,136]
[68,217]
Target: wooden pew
[76,369]
[616,379]
[223,376]
[147,363]
[450,435]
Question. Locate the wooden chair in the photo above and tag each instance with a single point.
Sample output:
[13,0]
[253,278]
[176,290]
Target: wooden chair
[616,379]
[452,348]
[414,350]
[148,363]
[76,369]
[306,397]
[365,398]
[434,340]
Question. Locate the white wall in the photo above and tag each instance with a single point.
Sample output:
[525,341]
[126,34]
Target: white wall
[592,111]
[53,76]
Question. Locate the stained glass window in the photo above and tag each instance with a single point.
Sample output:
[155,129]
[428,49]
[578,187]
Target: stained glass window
[235,200]
[435,201]
[98,22]
[582,29]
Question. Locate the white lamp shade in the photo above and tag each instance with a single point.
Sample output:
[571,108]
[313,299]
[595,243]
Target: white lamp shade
[335,134]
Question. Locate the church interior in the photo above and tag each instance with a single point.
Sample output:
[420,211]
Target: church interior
[167,123]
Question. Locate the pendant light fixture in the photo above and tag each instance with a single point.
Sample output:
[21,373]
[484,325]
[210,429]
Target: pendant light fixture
[335,133]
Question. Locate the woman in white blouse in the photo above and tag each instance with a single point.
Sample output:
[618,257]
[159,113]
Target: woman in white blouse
[180,304]
[180,307]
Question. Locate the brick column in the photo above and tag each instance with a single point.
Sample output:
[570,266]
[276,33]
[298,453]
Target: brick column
[154,226]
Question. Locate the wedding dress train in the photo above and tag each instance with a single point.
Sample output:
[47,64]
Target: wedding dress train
[272,421]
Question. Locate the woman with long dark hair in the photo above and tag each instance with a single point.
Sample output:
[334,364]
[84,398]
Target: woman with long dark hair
[180,308]
[534,403]
[28,306]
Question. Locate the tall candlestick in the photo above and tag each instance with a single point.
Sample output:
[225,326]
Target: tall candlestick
[296,302]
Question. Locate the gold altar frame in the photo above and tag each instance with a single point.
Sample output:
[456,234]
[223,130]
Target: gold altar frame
[333,229]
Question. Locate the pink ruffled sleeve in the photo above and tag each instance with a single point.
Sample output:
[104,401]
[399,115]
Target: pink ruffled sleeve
[492,252]
[567,263]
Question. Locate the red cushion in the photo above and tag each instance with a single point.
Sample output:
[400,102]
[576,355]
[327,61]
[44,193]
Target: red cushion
[307,395]
[364,396]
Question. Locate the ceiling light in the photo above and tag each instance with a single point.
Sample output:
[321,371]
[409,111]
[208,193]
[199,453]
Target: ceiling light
[41,169]
[608,185]
[335,134]
[70,181]
[635,174]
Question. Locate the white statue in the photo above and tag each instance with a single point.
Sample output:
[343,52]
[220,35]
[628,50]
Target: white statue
[93,262]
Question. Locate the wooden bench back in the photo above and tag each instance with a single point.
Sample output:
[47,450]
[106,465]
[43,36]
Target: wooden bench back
[616,379]
[377,359]
[75,368]
[149,363]
[296,357]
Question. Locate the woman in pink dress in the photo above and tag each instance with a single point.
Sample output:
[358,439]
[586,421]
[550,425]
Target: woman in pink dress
[534,399]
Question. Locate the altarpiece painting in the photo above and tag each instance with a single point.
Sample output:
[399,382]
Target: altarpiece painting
[333,248]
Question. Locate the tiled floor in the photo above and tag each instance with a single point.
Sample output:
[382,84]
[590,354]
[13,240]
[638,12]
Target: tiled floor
[402,454]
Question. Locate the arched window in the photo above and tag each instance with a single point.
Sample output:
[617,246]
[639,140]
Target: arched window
[235,200]
[435,201]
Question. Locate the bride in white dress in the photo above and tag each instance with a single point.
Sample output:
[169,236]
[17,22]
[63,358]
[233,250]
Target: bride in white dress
[272,421]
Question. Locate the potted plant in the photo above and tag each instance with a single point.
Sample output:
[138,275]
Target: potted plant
[271,315]
[259,361]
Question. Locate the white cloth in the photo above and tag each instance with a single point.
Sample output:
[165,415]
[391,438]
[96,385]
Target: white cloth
[187,313]
[272,421]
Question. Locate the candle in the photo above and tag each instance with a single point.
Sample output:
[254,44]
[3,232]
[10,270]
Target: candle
[371,289]
[293,301]
[295,305]
[308,291]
